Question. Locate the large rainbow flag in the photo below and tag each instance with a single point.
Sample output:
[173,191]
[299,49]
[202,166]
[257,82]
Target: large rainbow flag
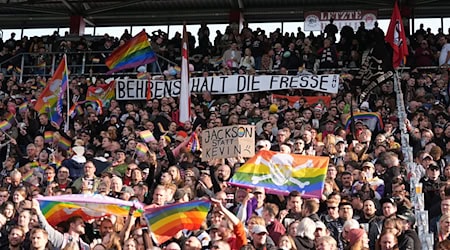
[135,52]
[280,173]
[166,221]
[59,208]
[51,99]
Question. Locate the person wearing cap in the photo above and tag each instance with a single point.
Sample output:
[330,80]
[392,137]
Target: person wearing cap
[409,221]
[389,210]
[329,128]
[368,176]
[321,230]
[263,145]
[259,238]
[431,185]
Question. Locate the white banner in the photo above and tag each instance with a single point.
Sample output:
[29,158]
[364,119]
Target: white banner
[316,21]
[136,89]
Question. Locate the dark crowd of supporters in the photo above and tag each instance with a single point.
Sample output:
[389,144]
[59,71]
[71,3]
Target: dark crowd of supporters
[365,203]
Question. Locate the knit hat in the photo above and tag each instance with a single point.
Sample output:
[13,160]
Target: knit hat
[354,235]
[273,108]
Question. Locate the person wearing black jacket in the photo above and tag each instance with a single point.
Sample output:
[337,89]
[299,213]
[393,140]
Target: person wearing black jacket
[408,228]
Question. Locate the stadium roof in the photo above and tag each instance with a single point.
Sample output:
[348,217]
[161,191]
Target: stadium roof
[56,13]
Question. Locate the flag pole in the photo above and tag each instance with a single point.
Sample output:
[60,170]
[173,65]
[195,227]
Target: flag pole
[66,127]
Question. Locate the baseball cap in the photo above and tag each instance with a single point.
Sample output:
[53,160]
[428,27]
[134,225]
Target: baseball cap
[387,200]
[257,229]
[427,155]
[320,224]
[368,164]
[408,216]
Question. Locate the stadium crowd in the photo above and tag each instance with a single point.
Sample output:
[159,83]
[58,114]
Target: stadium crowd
[365,202]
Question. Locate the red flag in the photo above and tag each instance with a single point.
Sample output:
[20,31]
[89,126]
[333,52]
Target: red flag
[396,37]
[185,95]
[149,87]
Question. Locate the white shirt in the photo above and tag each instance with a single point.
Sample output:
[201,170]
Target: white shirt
[444,52]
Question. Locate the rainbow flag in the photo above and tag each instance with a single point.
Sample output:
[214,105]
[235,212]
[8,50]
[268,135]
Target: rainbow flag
[147,136]
[10,119]
[64,143]
[34,164]
[4,125]
[372,119]
[135,52]
[96,103]
[280,173]
[28,175]
[48,137]
[23,107]
[42,83]
[102,92]
[141,75]
[194,143]
[51,99]
[166,221]
[57,209]
[141,149]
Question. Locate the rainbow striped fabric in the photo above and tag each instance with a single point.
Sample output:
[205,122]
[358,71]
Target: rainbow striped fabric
[64,143]
[23,107]
[166,221]
[51,99]
[135,52]
[48,137]
[280,173]
[103,92]
[147,136]
[4,125]
[141,149]
[57,209]
[372,119]
[194,143]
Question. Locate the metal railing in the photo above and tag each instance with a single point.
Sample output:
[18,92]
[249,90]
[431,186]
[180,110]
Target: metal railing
[82,63]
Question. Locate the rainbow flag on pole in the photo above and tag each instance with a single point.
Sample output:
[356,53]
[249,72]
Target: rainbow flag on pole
[104,92]
[166,221]
[280,173]
[136,52]
[23,107]
[194,143]
[141,149]
[64,143]
[4,125]
[57,209]
[51,99]
[48,137]
[147,136]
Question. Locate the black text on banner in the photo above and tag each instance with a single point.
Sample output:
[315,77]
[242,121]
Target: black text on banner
[136,89]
